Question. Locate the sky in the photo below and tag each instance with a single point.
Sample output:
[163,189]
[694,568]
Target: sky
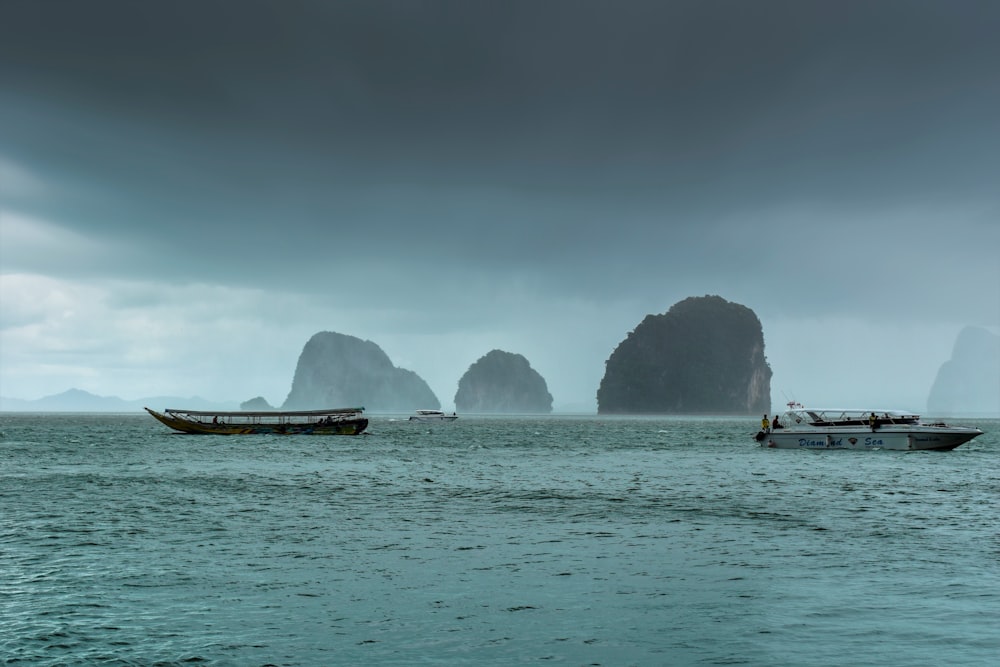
[191,189]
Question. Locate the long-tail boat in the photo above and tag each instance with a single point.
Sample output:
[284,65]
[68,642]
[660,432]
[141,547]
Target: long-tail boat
[337,421]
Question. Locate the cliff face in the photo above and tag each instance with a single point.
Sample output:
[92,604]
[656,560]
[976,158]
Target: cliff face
[705,355]
[335,370]
[502,382]
[969,382]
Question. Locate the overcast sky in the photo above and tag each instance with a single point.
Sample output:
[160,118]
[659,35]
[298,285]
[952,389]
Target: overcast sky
[190,189]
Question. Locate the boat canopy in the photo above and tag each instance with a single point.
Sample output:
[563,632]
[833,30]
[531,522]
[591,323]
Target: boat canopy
[849,416]
[264,413]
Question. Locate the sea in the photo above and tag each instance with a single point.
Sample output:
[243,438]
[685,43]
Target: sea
[555,540]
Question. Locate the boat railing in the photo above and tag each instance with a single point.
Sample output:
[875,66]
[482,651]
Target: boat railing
[850,418]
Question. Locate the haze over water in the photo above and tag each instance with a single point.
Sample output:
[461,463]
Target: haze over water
[190,190]
[568,540]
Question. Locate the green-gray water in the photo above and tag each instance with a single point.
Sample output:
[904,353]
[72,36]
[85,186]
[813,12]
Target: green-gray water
[563,540]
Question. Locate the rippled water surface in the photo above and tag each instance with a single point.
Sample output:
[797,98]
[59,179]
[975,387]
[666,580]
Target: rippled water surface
[580,541]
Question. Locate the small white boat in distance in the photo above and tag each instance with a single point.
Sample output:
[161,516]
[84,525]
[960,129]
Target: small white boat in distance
[803,428]
[432,416]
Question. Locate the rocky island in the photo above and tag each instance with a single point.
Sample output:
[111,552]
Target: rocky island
[257,404]
[337,370]
[969,382]
[503,382]
[703,356]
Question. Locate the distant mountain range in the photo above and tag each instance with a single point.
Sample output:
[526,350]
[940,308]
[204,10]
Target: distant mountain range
[77,400]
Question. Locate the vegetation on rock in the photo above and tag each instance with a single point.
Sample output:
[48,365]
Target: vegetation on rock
[336,370]
[704,356]
[503,382]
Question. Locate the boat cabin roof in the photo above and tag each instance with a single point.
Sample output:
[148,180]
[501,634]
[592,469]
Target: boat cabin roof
[835,415]
[264,413]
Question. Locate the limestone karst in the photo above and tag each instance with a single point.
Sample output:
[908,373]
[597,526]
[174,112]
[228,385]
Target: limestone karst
[337,370]
[503,382]
[703,356]
[969,382]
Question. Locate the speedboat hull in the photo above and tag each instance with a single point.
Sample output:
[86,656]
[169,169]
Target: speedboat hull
[803,428]
[433,416]
[930,438]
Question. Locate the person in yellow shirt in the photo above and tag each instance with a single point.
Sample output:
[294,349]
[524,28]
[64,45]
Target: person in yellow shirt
[765,425]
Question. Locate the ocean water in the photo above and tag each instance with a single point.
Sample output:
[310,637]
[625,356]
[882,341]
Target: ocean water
[556,540]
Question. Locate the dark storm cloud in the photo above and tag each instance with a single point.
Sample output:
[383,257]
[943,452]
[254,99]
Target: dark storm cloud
[199,180]
[503,132]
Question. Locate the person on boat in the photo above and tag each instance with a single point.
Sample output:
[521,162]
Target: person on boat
[873,421]
[765,425]
[215,419]
[775,423]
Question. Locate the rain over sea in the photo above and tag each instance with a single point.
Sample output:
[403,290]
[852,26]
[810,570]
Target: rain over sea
[545,540]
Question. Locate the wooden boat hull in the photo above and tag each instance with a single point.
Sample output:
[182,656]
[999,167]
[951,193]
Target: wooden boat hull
[344,426]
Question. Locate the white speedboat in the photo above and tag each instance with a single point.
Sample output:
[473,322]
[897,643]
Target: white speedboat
[432,416]
[803,428]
